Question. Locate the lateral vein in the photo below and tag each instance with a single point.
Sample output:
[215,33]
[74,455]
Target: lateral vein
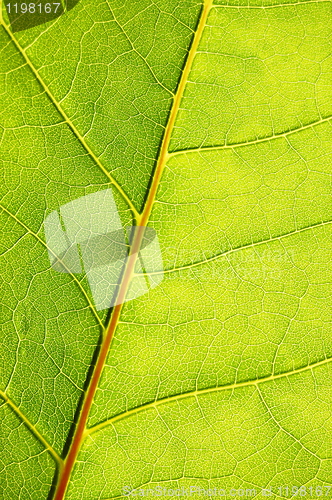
[63,264]
[32,428]
[69,122]
[219,147]
[238,249]
[199,392]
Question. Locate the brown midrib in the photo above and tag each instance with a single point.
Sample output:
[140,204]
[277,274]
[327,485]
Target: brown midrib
[79,434]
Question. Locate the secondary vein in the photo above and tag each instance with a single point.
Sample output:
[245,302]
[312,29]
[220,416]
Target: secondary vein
[238,249]
[29,231]
[199,392]
[32,428]
[69,122]
[220,147]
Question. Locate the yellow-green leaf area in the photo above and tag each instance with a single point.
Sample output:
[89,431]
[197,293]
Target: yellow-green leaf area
[258,73]
[211,123]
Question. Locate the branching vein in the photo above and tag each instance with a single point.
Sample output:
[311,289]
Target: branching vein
[32,428]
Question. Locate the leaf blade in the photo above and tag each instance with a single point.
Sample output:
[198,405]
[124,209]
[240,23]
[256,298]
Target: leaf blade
[243,328]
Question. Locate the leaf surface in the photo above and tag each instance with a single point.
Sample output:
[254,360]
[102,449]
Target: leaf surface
[211,123]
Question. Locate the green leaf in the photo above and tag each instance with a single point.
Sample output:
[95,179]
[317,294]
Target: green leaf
[211,124]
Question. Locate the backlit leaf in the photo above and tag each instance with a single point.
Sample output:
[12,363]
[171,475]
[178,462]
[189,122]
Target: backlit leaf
[210,378]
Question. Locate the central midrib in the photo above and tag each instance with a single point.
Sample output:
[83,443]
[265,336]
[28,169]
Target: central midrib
[142,220]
